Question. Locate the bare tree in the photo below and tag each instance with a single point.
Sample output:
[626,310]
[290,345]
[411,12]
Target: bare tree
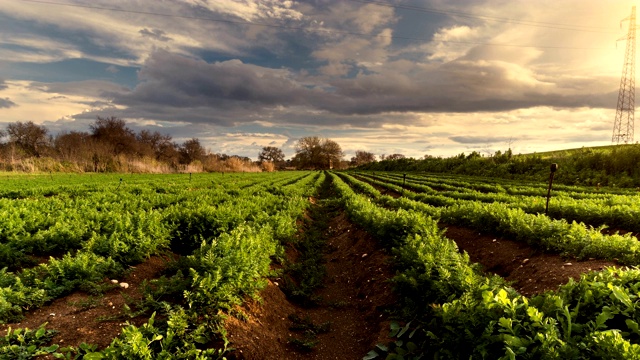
[31,138]
[154,144]
[191,150]
[114,132]
[316,153]
[362,157]
[271,153]
[395,157]
[74,146]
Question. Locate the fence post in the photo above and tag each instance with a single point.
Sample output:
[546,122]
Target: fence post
[553,168]
[404,179]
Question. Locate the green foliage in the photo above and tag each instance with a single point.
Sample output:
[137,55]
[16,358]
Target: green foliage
[507,218]
[461,314]
[26,344]
[405,345]
[94,231]
[609,166]
[307,274]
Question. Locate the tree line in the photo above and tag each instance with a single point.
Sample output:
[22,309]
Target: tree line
[111,146]
[615,166]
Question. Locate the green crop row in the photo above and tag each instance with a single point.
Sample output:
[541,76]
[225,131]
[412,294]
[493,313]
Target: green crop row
[118,228]
[502,186]
[231,241]
[616,211]
[569,238]
[458,313]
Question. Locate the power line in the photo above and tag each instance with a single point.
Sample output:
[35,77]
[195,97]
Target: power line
[301,28]
[550,25]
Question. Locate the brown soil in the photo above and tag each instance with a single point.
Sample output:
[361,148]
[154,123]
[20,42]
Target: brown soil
[79,317]
[355,294]
[530,271]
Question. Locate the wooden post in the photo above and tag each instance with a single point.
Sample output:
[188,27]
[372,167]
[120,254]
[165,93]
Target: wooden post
[404,179]
[553,168]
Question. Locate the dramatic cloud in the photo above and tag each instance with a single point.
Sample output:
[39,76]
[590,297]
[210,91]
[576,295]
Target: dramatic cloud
[413,77]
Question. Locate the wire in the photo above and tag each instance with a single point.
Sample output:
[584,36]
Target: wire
[241,22]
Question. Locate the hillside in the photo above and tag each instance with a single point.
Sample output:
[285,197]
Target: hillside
[614,166]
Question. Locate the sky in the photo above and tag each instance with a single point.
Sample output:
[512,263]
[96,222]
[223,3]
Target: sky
[411,77]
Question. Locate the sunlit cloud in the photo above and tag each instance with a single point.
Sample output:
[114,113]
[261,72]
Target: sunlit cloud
[241,75]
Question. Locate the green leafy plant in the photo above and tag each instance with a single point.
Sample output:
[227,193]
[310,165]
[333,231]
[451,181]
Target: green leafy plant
[26,343]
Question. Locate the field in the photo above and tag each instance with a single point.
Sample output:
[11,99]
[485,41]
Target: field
[316,265]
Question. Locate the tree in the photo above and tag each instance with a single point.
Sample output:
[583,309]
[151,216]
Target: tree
[74,146]
[362,157]
[313,152]
[115,133]
[271,153]
[395,157]
[156,145]
[191,150]
[31,138]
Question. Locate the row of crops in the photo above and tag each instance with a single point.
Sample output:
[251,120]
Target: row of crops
[458,312]
[520,218]
[229,228]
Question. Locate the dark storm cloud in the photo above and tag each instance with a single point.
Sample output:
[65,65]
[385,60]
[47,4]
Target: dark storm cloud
[232,92]
[6,103]
[464,87]
[183,82]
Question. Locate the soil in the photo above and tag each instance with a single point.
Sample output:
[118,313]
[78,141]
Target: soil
[354,297]
[80,317]
[529,270]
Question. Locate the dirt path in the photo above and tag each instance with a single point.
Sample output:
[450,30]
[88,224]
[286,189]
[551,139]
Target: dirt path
[531,271]
[352,302]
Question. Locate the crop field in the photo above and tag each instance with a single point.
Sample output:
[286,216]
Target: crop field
[319,265]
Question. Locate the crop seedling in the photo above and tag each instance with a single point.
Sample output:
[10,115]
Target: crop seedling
[309,330]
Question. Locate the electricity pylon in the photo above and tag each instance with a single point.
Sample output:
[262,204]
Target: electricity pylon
[623,124]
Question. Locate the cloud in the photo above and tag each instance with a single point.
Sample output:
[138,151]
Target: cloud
[381,78]
[112,69]
[234,92]
[155,34]
[6,103]
[181,82]
[250,9]
[91,88]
